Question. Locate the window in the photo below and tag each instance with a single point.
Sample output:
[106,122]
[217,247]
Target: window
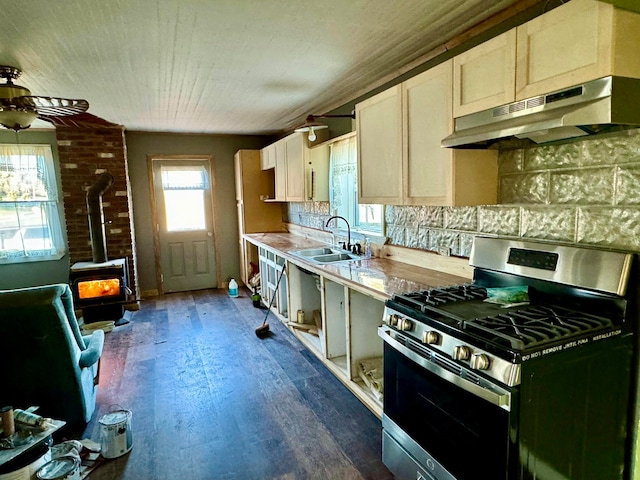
[30,225]
[184,190]
[343,189]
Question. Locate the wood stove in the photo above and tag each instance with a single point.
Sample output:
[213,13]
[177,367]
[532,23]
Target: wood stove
[100,289]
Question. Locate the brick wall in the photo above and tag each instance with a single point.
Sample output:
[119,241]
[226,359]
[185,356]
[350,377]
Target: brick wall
[87,147]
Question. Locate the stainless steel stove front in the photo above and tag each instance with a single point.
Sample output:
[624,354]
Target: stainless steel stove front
[458,405]
[452,347]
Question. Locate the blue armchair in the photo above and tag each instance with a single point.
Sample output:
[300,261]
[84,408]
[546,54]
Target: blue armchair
[44,358]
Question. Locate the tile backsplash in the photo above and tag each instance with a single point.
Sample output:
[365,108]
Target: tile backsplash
[585,192]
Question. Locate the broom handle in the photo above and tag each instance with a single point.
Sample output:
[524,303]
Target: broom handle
[273,297]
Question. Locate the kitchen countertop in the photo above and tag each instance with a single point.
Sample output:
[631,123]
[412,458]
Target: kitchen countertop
[378,277]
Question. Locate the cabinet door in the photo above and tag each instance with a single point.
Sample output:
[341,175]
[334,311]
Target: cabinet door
[281,170]
[485,76]
[243,259]
[268,157]
[237,164]
[428,118]
[566,46]
[379,127]
[317,173]
[294,153]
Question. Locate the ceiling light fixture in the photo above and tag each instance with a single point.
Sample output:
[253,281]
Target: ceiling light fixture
[311,125]
[19,109]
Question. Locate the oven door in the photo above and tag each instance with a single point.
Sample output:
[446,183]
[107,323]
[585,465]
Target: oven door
[453,427]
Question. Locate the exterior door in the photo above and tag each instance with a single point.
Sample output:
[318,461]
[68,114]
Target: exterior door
[184,216]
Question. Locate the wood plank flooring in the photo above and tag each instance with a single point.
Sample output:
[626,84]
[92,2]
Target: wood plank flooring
[210,400]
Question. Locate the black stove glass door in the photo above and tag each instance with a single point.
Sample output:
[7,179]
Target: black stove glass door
[467,435]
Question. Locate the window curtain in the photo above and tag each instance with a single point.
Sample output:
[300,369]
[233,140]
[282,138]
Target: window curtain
[343,175]
[187,177]
[29,196]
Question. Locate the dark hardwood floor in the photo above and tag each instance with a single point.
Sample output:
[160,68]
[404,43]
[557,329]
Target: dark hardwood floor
[210,400]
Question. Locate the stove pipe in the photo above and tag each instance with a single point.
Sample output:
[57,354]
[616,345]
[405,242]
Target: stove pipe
[96,217]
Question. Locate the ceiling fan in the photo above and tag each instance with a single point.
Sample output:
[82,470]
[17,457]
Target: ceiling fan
[18,108]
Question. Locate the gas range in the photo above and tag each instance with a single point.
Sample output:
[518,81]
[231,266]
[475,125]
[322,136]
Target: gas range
[507,385]
[457,322]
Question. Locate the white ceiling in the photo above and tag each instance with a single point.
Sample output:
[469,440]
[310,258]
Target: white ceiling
[221,66]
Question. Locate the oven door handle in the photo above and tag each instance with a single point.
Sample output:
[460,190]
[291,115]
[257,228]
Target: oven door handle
[500,399]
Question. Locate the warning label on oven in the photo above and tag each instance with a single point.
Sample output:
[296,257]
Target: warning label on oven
[568,345]
[607,335]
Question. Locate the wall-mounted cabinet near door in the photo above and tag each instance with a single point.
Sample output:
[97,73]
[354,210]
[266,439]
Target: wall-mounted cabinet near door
[294,147]
[317,173]
[280,163]
[268,157]
[254,215]
[299,174]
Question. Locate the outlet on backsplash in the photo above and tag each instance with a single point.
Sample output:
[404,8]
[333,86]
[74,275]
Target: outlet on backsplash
[444,251]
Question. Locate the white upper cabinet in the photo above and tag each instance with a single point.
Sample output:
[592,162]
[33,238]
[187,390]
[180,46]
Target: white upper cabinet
[400,160]
[580,41]
[484,76]
[299,176]
[379,127]
[281,170]
[317,173]
[268,157]
[433,175]
[294,147]
[576,42]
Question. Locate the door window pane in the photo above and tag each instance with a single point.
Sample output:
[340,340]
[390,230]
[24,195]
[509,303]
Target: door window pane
[184,196]
[185,210]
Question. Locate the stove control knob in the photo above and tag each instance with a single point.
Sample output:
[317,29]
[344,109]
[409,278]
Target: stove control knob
[461,352]
[405,324]
[392,319]
[480,361]
[430,337]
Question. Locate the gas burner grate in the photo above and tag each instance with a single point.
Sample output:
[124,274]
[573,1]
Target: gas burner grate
[535,325]
[439,296]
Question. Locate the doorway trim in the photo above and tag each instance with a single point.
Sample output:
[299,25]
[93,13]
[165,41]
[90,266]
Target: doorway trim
[154,212]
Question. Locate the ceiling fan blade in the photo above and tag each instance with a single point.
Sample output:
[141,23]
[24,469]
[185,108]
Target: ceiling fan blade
[52,106]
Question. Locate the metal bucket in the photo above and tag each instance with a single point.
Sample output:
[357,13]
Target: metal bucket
[116,436]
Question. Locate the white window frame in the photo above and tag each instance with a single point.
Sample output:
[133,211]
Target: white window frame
[343,168]
[32,211]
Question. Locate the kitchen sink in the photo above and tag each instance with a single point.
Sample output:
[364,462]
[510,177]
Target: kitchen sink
[326,255]
[335,257]
[312,252]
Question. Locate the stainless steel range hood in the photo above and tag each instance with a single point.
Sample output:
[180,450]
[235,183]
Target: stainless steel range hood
[606,104]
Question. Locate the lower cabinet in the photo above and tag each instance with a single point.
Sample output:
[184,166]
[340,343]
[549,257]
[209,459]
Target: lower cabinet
[340,326]
[274,289]
[337,323]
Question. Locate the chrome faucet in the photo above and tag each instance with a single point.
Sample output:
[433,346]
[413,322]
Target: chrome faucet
[348,245]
